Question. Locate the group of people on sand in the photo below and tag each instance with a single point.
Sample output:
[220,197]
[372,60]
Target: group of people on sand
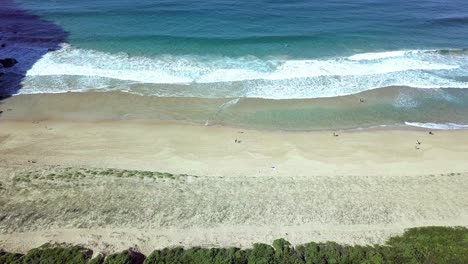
[418,143]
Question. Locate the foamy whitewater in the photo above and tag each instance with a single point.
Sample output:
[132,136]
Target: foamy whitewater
[71,69]
[448,126]
[370,63]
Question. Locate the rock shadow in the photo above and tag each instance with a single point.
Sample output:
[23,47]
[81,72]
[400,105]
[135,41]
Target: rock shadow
[24,39]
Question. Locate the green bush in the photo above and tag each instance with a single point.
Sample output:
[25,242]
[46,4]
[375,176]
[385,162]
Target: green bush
[9,258]
[52,254]
[125,257]
[284,253]
[431,245]
[261,254]
[167,255]
[120,258]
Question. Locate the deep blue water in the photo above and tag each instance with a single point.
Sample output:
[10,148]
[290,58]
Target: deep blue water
[300,29]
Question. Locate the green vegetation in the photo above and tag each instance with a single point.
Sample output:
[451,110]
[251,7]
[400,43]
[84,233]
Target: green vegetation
[125,257]
[417,245]
[6,257]
[438,245]
[50,254]
[431,245]
[69,173]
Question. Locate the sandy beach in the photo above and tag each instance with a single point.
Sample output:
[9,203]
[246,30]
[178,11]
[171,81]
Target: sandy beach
[361,186]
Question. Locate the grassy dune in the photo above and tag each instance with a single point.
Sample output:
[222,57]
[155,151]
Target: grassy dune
[109,210]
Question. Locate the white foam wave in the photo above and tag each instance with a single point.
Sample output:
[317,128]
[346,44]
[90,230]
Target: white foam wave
[270,78]
[377,55]
[169,69]
[229,103]
[438,126]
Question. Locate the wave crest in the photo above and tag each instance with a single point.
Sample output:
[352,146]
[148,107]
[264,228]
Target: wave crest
[438,126]
[255,77]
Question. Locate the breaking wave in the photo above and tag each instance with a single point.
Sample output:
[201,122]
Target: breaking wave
[439,126]
[72,69]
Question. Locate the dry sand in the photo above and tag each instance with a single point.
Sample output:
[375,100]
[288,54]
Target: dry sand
[360,187]
[212,151]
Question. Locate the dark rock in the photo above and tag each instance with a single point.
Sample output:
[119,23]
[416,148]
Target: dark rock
[3,45]
[8,62]
[136,257]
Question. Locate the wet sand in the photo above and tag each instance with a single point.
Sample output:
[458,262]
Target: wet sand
[391,107]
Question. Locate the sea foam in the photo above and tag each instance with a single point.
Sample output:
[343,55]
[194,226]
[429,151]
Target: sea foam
[377,55]
[439,126]
[271,77]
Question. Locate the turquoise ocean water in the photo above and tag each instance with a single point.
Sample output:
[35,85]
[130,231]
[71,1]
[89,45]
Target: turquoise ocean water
[273,49]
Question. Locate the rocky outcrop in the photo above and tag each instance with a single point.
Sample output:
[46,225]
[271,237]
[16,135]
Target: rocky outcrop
[8,62]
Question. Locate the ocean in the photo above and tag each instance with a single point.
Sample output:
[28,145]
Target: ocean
[287,65]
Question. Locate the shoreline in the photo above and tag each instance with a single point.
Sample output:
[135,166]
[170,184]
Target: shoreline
[377,110]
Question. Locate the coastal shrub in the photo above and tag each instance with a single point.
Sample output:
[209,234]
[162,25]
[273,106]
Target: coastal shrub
[431,245]
[57,254]
[311,253]
[284,253]
[261,254]
[236,256]
[355,254]
[9,258]
[120,258]
[125,257]
[199,255]
[166,256]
